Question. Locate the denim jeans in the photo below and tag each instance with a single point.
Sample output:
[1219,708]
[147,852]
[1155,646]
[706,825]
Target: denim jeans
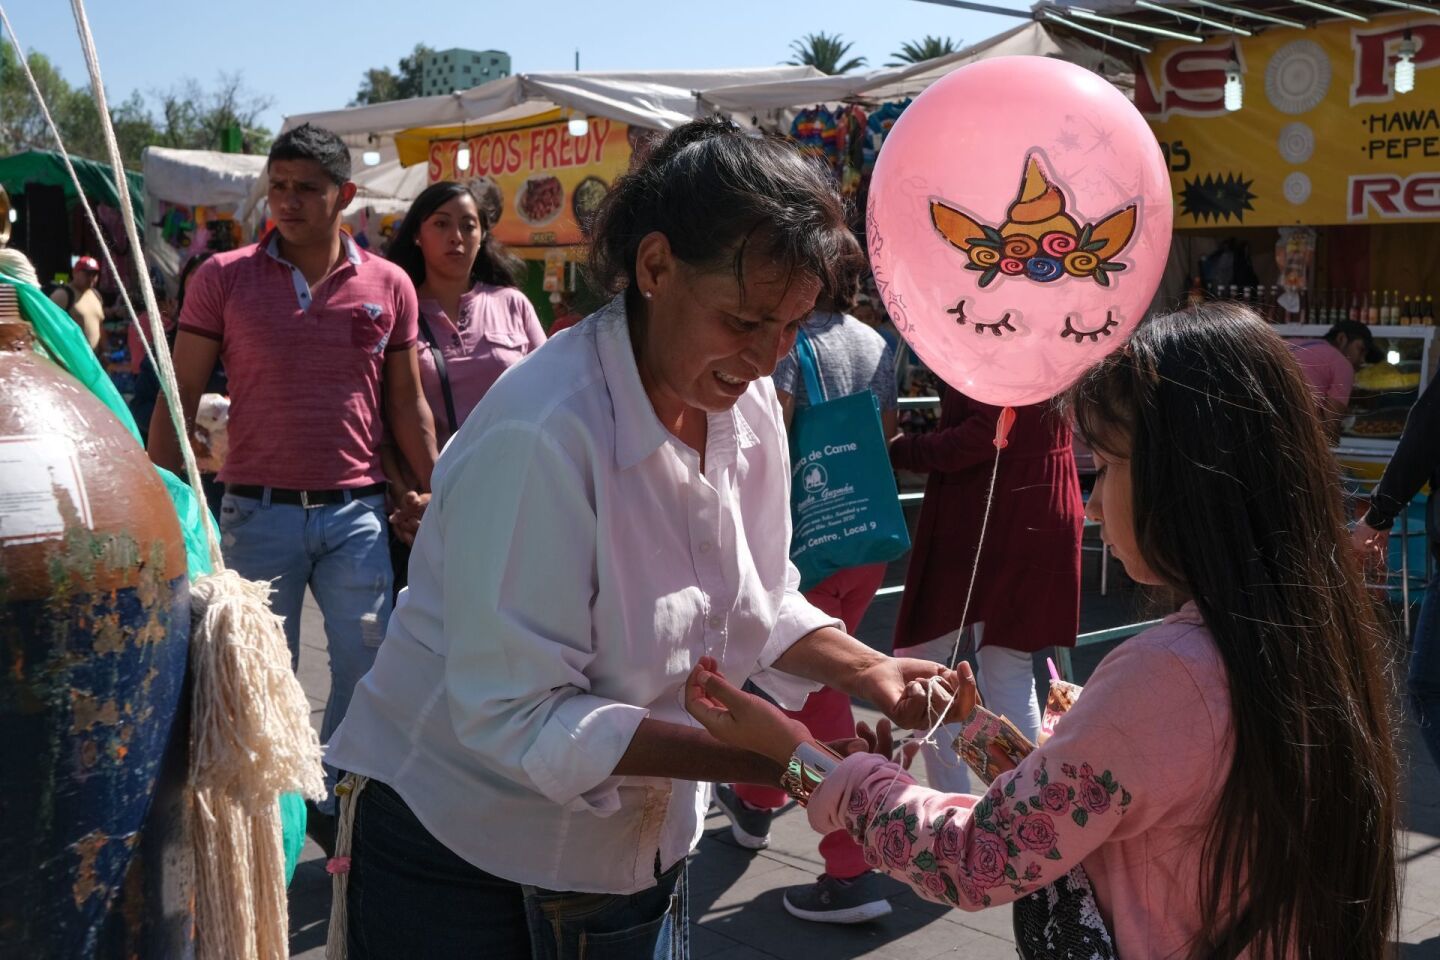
[340,552]
[410,896]
[1424,678]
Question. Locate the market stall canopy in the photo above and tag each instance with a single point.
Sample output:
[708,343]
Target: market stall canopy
[200,176]
[898,83]
[45,167]
[661,99]
[1138,25]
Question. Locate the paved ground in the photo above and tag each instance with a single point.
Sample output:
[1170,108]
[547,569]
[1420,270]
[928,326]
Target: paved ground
[735,894]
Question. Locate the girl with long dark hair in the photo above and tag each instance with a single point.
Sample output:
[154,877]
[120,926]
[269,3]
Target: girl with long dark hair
[474,322]
[1226,785]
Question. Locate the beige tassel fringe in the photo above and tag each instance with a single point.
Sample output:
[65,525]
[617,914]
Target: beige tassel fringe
[251,740]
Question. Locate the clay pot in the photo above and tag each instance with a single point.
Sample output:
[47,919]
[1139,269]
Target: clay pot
[94,633]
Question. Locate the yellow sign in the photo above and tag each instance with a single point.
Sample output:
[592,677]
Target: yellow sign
[543,181]
[1323,135]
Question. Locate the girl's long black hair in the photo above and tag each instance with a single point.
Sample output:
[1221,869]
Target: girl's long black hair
[1237,504]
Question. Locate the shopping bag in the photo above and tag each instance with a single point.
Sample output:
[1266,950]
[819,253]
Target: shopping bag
[844,508]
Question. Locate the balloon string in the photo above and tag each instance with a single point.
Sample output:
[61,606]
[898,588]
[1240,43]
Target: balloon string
[934,687]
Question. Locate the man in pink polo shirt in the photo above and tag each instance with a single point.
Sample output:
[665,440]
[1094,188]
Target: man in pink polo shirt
[310,328]
[1329,365]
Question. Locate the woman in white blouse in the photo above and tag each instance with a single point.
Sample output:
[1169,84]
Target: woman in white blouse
[612,513]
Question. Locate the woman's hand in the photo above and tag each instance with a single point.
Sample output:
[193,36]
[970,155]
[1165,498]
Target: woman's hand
[734,717]
[1370,544]
[406,517]
[901,688]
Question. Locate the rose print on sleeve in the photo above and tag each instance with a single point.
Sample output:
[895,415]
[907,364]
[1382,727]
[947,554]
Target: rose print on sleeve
[1009,842]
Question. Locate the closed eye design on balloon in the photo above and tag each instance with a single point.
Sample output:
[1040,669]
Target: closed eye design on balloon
[998,327]
[1039,240]
[1093,336]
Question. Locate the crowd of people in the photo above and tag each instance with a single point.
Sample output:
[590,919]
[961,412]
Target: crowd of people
[562,619]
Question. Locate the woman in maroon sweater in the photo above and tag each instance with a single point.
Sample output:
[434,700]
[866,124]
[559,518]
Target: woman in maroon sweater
[1027,591]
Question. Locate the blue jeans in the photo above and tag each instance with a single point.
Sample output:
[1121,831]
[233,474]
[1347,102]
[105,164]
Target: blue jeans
[410,896]
[341,553]
[1424,679]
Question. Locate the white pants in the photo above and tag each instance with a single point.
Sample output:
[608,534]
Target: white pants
[1007,684]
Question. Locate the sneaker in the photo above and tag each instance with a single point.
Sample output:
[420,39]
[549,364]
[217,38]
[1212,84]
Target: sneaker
[838,901]
[749,827]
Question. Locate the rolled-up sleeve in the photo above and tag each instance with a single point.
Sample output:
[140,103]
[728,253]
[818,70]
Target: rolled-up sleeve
[798,619]
[519,533]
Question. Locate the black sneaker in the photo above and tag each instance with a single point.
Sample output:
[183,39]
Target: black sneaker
[749,827]
[838,901]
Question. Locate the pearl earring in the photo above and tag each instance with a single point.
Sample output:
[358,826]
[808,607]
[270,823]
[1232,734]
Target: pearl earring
[649,295]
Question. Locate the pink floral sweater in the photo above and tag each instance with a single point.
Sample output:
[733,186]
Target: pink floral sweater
[1126,787]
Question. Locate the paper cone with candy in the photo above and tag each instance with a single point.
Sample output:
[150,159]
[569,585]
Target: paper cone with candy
[1039,240]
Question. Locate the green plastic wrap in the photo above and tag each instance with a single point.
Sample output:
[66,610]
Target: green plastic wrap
[61,339]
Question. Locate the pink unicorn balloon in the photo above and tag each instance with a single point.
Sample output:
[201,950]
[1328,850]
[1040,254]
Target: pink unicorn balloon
[1019,222]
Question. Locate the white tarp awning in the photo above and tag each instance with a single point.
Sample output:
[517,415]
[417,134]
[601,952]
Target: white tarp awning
[194,177]
[662,99]
[896,83]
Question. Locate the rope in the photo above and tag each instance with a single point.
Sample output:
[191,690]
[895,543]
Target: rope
[934,688]
[163,364]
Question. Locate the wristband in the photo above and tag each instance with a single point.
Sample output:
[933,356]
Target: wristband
[807,768]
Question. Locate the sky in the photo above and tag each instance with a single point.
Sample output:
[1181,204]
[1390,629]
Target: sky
[310,55]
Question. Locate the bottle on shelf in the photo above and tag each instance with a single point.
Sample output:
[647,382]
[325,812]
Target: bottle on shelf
[1394,301]
[1407,314]
[1355,312]
[1429,318]
[1372,309]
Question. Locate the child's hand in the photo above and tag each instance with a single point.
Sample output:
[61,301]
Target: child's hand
[734,717]
[881,741]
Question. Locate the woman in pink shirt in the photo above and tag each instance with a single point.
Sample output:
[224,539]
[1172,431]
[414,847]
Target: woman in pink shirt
[474,322]
[1226,785]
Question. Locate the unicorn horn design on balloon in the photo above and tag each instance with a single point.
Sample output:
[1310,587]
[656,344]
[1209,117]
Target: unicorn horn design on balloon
[1039,239]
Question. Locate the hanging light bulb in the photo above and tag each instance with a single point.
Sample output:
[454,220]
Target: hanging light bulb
[1234,84]
[1392,357]
[371,158]
[1405,65]
[462,158]
[579,126]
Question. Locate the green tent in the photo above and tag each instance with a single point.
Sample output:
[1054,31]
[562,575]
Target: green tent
[45,167]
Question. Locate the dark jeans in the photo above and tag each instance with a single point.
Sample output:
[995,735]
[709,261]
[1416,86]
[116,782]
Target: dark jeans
[410,896]
[1424,679]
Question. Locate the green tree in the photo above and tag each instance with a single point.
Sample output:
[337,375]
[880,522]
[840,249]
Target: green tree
[190,115]
[927,49]
[825,53]
[380,85]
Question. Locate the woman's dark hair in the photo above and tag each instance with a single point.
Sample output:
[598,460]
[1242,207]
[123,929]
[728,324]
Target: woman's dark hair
[309,142]
[713,191]
[494,264]
[186,272]
[1237,504]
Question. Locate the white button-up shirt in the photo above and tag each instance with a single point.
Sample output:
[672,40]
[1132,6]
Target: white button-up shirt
[573,566]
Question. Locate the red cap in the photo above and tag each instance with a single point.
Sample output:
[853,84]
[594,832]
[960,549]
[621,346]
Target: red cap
[87,263]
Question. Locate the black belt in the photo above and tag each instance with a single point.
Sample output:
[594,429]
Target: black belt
[304,498]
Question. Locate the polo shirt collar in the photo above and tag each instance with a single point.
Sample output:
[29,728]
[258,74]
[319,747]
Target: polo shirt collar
[271,245]
[638,431]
